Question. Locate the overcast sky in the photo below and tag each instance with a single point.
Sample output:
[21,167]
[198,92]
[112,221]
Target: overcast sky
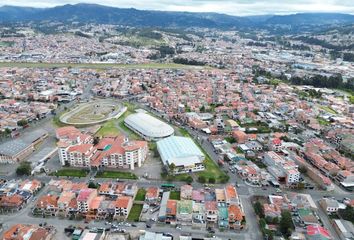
[233,7]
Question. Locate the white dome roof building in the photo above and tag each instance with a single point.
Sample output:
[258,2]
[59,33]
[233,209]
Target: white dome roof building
[148,127]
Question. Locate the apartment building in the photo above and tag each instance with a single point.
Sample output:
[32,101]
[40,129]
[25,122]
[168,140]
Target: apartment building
[84,199]
[123,206]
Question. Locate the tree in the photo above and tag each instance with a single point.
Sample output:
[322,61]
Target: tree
[189,179]
[347,214]
[202,179]
[24,169]
[172,168]
[96,140]
[269,219]
[22,122]
[258,209]
[224,178]
[7,131]
[302,169]
[285,224]
[275,220]
[93,185]
[212,180]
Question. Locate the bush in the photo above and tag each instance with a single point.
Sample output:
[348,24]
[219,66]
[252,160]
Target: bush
[93,185]
[258,209]
[22,122]
[224,178]
[202,179]
[212,180]
[24,169]
[189,179]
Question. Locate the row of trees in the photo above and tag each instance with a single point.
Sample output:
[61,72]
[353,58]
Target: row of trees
[321,81]
[189,62]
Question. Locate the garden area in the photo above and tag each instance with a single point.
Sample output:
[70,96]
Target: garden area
[71,172]
[140,196]
[175,195]
[116,174]
[135,212]
[185,177]
[108,129]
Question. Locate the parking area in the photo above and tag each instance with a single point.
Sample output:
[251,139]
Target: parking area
[151,168]
[149,213]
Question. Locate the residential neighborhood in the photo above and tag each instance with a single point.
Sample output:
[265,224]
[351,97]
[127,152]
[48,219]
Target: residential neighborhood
[211,131]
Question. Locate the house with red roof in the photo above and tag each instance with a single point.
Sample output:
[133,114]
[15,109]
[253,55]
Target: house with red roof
[316,232]
[211,210]
[171,210]
[240,136]
[231,196]
[152,195]
[28,232]
[236,216]
[84,199]
[11,203]
[47,205]
[123,206]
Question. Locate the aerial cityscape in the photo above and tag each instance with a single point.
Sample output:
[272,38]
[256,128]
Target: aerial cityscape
[185,120]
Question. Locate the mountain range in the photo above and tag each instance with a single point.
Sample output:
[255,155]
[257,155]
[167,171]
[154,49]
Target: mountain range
[93,13]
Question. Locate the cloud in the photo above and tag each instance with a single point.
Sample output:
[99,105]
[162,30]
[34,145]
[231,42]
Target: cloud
[233,7]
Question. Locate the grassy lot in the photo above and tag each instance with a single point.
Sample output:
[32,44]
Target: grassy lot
[275,81]
[69,172]
[56,119]
[212,170]
[328,109]
[125,129]
[116,174]
[108,129]
[138,41]
[180,177]
[175,195]
[135,212]
[97,65]
[57,122]
[6,43]
[323,121]
[140,196]
[261,127]
[351,99]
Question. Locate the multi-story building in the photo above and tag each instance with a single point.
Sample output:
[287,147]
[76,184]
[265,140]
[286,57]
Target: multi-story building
[284,170]
[235,216]
[47,205]
[119,152]
[123,206]
[184,212]
[80,155]
[231,196]
[84,199]
[211,208]
[77,149]
[65,201]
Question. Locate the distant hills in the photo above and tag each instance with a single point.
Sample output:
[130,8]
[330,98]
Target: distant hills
[93,13]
